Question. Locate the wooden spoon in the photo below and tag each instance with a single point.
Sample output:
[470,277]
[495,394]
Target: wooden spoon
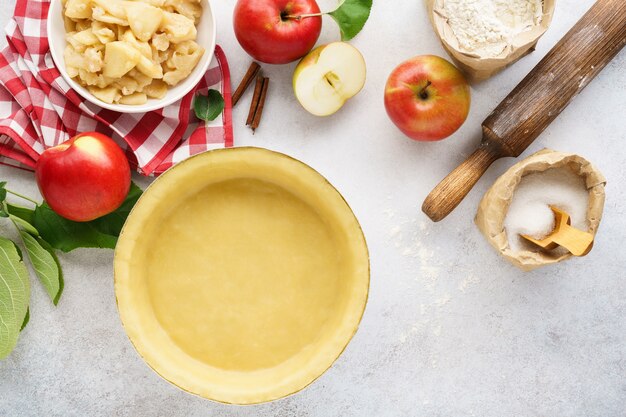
[576,241]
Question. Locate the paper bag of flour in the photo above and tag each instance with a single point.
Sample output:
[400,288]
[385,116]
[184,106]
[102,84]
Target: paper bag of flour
[479,67]
[494,206]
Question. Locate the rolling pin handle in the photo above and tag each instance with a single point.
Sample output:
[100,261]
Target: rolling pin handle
[446,196]
[538,99]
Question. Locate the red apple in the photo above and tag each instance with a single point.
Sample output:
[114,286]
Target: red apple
[427,98]
[277,31]
[84,178]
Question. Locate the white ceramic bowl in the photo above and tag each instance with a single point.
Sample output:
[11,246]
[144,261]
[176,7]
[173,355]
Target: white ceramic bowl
[206,39]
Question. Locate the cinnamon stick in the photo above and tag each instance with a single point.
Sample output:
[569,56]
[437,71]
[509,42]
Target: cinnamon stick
[255,100]
[253,70]
[261,104]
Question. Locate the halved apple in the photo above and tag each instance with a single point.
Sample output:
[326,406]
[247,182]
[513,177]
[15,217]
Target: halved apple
[328,76]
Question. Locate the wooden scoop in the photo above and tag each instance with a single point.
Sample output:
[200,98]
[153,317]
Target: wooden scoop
[576,241]
[537,100]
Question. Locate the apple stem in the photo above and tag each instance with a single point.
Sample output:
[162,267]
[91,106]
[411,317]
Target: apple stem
[301,16]
[22,196]
[423,93]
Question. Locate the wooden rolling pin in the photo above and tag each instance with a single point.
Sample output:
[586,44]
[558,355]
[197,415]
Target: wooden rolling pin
[537,100]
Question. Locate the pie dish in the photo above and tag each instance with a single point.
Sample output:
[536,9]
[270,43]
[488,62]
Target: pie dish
[241,275]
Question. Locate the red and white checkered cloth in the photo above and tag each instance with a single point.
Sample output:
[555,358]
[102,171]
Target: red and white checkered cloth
[38,109]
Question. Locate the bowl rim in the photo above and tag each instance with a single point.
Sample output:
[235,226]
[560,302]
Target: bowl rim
[152,104]
[157,368]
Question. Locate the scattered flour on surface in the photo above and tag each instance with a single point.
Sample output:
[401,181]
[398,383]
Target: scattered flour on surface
[467,282]
[440,302]
[407,235]
[407,334]
[411,246]
[529,212]
[390,213]
[487,27]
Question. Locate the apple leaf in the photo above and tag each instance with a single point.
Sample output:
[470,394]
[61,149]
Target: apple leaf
[3,196]
[66,235]
[3,191]
[26,319]
[23,213]
[210,106]
[112,224]
[351,16]
[14,295]
[24,225]
[45,263]
[50,250]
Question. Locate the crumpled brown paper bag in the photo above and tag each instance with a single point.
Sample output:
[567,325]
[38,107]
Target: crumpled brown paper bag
[495,204]
[479,68]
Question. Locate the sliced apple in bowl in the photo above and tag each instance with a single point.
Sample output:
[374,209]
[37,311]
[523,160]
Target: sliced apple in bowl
[328,76]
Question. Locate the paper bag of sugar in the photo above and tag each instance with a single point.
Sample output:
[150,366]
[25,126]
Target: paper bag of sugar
[550,172]
[485,36]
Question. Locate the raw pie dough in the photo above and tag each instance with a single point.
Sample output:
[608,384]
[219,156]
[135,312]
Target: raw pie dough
[241,275]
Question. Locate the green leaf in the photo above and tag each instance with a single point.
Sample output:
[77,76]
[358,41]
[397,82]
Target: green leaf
[50,250]
[112,224]
[351,16]
[23,213]
[26,319]
[24,225]
[208,107]
[14,295]
[3,191]
[3,203]
[45,264]
[67,235]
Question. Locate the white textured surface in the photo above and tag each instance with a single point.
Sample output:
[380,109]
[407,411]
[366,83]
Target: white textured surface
[450,328]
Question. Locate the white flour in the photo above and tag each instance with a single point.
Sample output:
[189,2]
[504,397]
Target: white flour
[486,27]
[529,212]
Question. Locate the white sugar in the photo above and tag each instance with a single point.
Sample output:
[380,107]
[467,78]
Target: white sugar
[530,213]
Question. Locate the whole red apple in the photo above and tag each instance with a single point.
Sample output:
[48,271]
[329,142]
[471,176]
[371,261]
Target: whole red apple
[427,98]
[277,31]
[84,178]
